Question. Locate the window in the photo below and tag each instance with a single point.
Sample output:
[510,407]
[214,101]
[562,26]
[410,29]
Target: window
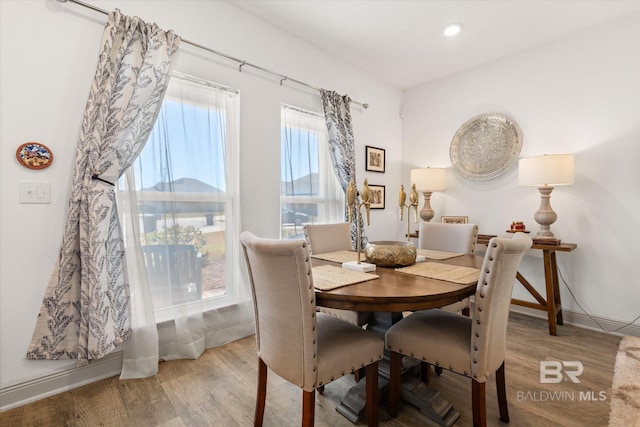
[186,181]
[309,189]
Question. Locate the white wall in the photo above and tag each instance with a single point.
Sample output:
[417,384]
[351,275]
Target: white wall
[48,58]
[577,95]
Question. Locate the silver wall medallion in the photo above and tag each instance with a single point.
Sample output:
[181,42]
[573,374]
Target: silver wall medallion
[486,146]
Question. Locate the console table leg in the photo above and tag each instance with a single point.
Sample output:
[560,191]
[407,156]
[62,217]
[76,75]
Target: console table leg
[550,287]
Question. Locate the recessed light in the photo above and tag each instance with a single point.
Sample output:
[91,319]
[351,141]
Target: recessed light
[452,29]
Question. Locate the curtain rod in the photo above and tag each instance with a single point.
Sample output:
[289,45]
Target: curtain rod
[240,61]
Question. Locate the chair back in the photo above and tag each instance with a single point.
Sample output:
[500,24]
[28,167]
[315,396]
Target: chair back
[460,238]
[492,302]
[284,305]
[324,238]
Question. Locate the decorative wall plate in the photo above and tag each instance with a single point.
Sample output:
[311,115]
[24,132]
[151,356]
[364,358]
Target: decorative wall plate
[486,146]
[34,155]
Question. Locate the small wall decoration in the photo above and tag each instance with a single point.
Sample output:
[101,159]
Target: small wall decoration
[374,159]
[34,155]
[377,196]
[454,219]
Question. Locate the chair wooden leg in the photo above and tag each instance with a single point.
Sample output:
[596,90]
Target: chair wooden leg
[308,408]
[502,394]
[371,375]
[395,366]
[478,404]
[262,393]
[424,372]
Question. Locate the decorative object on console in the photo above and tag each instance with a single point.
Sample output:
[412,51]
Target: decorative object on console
[486,146]
[34,155]
[545,172]
[454,219]
[518,226]
[374,158]
[352,204]
[427,181]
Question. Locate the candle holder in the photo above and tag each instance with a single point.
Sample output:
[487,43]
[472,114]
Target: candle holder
[354,207]
[413,203]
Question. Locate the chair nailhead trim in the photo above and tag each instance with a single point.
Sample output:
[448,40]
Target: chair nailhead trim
[481,295]
[477,335]
[465,373]
[479,308]
[437,363]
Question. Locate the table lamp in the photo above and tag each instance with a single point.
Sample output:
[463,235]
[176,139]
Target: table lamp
[545,172]
[427,181]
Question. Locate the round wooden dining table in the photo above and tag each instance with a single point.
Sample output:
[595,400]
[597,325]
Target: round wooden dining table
[393,291]
[388,297]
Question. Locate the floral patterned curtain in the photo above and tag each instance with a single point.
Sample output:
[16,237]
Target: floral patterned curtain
[85,312]
[343,152]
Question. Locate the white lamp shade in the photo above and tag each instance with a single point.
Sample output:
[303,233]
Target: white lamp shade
[429,179]
[552,169]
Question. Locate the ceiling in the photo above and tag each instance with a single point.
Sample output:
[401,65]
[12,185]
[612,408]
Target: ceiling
[401,41]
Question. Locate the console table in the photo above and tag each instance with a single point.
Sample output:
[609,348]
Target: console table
[552,304]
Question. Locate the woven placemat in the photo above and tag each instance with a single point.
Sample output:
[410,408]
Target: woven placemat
[446,272]
[431,254]
[339,256]
[327,277]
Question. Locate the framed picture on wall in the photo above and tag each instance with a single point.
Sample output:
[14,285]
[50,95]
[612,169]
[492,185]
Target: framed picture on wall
[454,219]
[377,196]
[374,159]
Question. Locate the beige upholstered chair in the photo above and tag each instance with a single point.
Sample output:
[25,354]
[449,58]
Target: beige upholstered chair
[459,238]
[325,238]
[471,346]
[448,237]
[306,348]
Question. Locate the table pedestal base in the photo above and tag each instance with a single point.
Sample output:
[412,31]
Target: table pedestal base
[430,402]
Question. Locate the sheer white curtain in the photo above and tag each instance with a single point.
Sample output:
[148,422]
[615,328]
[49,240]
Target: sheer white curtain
[310,190]
[181,220]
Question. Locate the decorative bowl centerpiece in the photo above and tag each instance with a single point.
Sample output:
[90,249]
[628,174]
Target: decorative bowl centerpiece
[390,253]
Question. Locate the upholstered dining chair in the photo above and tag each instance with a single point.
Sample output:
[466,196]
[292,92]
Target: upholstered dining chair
[305,347]
[471,346]
[325,238]
[459,238]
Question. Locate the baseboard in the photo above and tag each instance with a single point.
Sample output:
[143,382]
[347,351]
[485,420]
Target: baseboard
[21,392]
[581,320]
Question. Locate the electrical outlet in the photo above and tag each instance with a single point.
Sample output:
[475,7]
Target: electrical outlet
[35,192]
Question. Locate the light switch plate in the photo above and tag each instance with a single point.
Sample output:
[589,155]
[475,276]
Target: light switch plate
[35,192]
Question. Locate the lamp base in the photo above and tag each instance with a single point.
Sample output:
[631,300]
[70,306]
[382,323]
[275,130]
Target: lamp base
[363,267]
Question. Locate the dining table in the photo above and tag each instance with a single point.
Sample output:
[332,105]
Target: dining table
[393,293]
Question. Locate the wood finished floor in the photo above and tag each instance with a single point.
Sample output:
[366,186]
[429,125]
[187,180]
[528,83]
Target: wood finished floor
[218,389]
